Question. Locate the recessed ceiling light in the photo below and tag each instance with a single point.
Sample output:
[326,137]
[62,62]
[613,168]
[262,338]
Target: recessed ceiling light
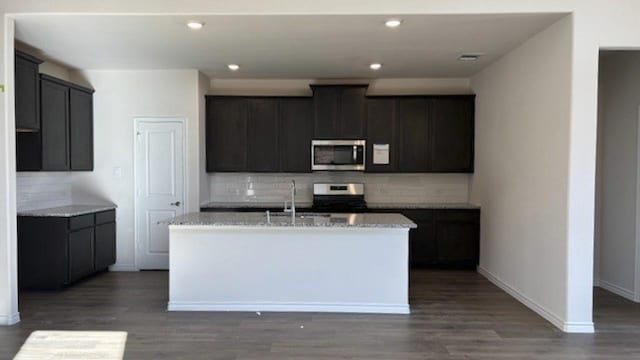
[375,66]
[393,23]
[469,57]
[195,25]
[233,67]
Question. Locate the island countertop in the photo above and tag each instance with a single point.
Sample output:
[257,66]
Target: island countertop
[222,219]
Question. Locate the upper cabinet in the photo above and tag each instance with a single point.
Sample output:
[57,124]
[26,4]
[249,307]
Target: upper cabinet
[27,95]
[226,133]
[424,133]
[258,134]
[55,126]
[427,133]
[452,134]
[339,111]
[296,130]
[64,140]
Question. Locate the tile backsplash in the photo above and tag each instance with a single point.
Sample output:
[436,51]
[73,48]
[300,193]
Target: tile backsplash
[379,188]
[36,190]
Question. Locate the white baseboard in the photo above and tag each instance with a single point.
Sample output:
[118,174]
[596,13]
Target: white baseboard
[290,307]
[6,320]
[569,327]
[618,290]
[122,267]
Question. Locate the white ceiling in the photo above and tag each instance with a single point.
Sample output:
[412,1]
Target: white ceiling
[277,46]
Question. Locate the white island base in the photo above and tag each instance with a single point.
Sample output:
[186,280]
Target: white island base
[288,269]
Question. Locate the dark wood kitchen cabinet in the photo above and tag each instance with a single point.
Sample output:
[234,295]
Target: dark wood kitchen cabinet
[296,128]
[413,135]
[80,130]
[425,133]
[381,129]
[452,134]
[226,134]
[27,94]
[65,139]
[56,251]
[423,244]
[339,111]
[263,152]
[258,134]
[55,126]
[458,237]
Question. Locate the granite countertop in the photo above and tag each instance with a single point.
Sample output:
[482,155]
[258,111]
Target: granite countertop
[222,219]
[302,205]
[67,211]
[422,206]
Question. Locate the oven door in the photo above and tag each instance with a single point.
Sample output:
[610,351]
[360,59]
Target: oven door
[338,155]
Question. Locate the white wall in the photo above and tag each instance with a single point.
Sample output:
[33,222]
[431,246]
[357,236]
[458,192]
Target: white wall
[619,88]
[120,97]
[522,151]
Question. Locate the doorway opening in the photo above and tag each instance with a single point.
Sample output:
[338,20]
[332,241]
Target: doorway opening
[617,223]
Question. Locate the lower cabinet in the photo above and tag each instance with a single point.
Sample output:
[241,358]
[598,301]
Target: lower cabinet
[446,238]
[80,253]
[56,251]
[105,246]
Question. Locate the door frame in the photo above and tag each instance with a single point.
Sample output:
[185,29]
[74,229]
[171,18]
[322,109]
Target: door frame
[636,290]
[154,119]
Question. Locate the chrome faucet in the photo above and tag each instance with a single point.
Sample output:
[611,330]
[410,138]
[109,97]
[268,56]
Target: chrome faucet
[292,208]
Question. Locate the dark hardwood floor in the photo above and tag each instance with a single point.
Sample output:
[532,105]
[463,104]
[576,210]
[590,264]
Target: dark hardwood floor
[455,315]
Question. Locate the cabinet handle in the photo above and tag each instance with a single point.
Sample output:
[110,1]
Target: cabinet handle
[177,203]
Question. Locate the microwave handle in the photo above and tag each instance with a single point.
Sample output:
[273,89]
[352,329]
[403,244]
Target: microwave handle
[355,153]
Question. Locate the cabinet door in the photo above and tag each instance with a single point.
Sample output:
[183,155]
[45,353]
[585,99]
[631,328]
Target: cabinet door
[28,151]
[413,130]
[262,135]
[226,134]
[81,129]
[27,96]
[452,134]
[458,237]
[55,125]
[423,250]
[381,129]
[80,254]
[296,127]
[105,249]
[351,122]
[325,108]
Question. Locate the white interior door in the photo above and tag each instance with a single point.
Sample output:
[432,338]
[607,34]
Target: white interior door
[159,187]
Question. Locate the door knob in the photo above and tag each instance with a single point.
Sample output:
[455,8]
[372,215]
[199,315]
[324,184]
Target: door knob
[177,203]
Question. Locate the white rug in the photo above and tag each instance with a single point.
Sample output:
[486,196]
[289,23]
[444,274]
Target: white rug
[57,345]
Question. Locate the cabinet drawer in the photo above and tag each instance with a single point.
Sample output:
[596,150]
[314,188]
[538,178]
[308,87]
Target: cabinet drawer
[106,217]
[458,215]
[80,222]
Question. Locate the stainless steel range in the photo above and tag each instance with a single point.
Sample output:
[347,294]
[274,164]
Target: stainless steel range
[339,197]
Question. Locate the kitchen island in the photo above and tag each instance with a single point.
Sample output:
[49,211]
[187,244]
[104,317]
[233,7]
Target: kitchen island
[273,262]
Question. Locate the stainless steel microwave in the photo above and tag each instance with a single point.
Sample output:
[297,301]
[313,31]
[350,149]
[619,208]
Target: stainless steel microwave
[345,155]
